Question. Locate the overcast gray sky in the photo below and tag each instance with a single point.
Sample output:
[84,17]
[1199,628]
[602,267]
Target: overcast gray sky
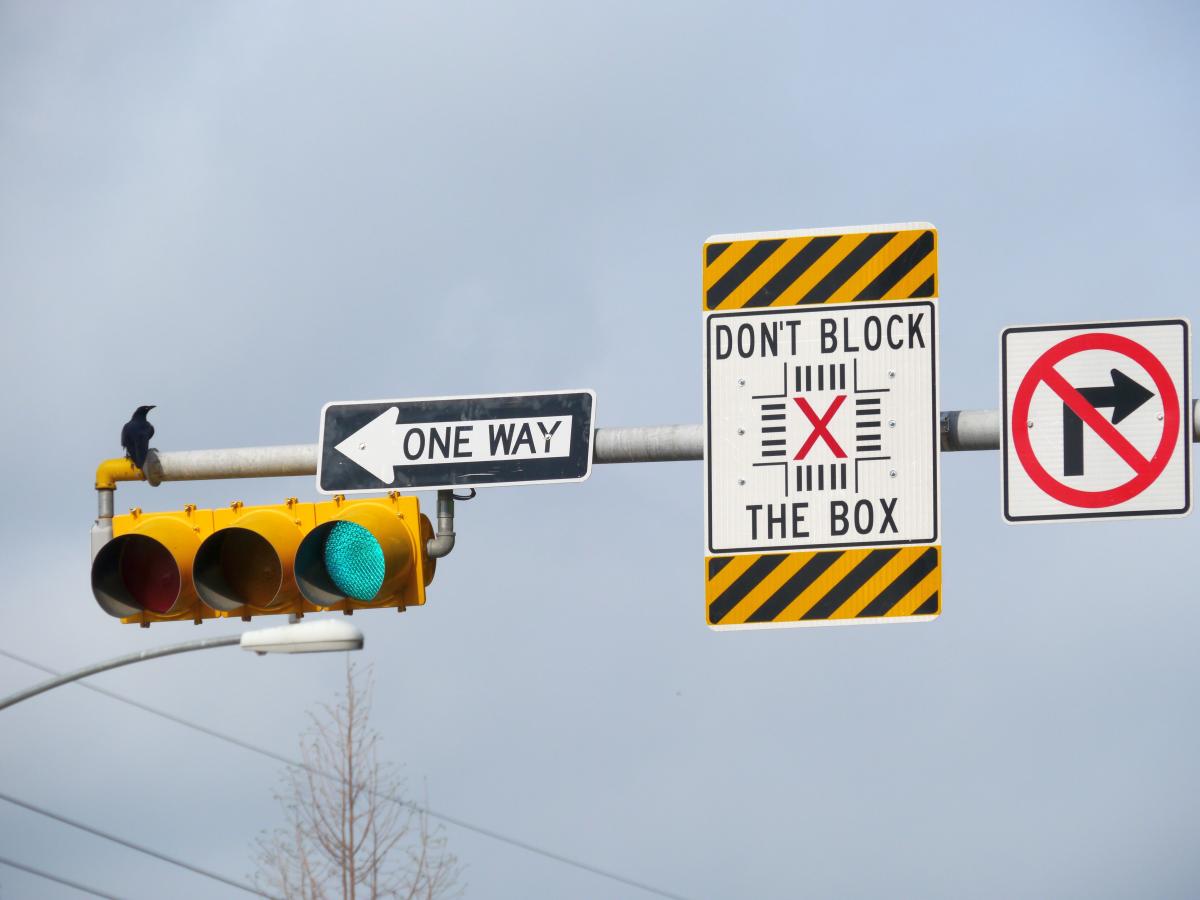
[240,211]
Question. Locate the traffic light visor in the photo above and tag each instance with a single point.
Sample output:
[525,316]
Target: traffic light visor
[247,563]
[235,567]
[146,570]
[362,555]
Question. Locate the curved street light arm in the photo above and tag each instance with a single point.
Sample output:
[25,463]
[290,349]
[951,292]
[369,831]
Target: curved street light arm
[67,678]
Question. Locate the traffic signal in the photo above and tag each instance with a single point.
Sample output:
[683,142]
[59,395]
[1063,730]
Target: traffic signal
[146,569]
[246,561]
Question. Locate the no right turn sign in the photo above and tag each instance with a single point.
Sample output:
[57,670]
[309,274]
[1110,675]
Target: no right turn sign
[1096,420]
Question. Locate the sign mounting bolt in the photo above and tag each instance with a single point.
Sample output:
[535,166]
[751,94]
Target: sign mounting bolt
[891,423]
[741,482]
[741,382]
[1030,423]
[891,373]
[891,473]
[743,430]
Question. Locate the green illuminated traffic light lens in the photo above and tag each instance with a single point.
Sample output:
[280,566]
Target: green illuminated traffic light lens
[354,561]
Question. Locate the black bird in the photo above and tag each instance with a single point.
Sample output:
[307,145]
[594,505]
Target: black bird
[135,436]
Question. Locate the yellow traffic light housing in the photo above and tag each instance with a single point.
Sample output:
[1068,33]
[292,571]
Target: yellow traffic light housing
[247,561]
[146,569]
[366,553]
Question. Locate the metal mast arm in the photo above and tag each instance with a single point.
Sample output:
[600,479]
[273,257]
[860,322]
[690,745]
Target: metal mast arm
[966,429]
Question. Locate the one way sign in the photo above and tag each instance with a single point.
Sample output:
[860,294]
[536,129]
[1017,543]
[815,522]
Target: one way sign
[448,442]
[1096,420]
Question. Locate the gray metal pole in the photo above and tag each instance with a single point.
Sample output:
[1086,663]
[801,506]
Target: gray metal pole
[236,462]
[966,429]
[653,443]
[971,429]
[140,656]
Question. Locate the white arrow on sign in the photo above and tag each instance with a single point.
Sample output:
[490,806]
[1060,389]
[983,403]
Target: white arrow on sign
[384,443]
[375,445]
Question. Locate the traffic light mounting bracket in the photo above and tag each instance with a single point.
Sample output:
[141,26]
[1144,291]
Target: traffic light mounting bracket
[261,462]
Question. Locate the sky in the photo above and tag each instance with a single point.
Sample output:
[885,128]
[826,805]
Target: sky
[242,211]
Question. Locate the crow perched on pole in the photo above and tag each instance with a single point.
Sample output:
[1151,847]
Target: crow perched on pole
[135,436]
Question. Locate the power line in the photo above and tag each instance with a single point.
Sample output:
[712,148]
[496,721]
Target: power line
[71,884]
[280,758]
[130,844]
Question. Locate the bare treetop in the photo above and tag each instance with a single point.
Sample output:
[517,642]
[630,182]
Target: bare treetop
[350,831]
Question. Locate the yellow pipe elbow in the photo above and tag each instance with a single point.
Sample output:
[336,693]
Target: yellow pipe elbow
[109,472]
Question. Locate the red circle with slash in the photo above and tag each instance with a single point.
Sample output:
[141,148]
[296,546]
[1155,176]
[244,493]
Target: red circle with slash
[1145,470]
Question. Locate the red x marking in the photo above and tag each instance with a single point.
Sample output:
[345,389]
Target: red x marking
[820,426]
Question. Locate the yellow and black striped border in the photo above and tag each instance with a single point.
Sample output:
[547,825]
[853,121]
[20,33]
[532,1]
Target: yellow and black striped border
[884,262]
[823,587]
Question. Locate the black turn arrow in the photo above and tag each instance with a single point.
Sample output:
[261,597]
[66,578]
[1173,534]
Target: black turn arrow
[1124,396]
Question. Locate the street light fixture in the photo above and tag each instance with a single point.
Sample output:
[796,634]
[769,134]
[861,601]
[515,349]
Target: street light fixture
[318,636]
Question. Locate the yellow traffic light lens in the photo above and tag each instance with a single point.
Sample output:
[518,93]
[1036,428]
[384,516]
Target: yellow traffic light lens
[354,560]
[237,566]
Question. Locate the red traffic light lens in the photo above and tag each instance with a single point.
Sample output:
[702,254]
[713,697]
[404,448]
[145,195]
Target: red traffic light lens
[134,572]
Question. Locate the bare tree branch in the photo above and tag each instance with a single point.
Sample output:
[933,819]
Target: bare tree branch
[349,830]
